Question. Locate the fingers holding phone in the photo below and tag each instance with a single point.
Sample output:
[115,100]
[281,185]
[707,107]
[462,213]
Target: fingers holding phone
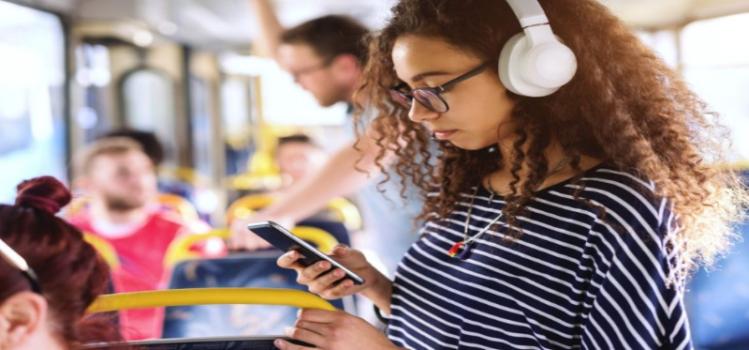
[322,273]
[332,283]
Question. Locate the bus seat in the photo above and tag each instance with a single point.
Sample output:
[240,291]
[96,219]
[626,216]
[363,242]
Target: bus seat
[718,300]
[179,249]
[335,228]
[252,270]
[180,205]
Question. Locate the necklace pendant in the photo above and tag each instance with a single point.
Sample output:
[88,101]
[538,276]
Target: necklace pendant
[455,249]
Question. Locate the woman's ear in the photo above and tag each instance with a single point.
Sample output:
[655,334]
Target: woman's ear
[21,316]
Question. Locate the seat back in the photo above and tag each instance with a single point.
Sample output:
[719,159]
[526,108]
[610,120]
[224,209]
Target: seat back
[180,248]
[255,270]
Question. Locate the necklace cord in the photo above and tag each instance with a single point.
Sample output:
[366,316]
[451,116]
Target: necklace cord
[463,244]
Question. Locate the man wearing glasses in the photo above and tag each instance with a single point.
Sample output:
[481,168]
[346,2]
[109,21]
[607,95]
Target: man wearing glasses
[326,57]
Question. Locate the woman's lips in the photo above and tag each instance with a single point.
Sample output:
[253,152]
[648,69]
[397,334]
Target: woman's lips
[444,134]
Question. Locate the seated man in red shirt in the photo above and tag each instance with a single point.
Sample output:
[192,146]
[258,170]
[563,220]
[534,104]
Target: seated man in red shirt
[119,180]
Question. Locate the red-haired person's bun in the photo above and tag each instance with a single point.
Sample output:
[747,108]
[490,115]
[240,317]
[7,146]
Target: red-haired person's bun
[44,193]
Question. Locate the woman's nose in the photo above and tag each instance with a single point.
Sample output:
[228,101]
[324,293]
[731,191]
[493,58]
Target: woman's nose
[419,113]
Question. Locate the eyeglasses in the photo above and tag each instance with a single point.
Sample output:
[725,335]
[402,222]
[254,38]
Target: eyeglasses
[307,70]
[14,259]
[431,97]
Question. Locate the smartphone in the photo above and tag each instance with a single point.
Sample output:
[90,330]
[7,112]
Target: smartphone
[284,240]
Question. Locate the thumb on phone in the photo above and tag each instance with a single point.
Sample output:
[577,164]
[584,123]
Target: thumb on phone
[340,250]
[349,257]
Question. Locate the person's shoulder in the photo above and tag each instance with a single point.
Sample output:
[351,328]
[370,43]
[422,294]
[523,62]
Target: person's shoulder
[620,190]
[626,203]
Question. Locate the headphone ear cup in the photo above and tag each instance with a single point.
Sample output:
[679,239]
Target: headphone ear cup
[535,71]
[509,63]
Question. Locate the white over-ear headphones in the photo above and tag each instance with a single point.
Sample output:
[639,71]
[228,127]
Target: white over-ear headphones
[535,63]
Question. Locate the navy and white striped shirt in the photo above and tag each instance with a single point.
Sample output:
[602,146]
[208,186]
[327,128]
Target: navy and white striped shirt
[571,281]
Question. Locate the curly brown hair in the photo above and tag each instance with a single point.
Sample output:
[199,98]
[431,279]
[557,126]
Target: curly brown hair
[624,106]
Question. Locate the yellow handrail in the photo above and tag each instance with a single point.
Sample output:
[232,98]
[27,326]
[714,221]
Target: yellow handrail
[104,248]
[180,205]
[179,249]
[344,210]
[208,296]
[246,206]
[324,241]
[347,212]
[182,174]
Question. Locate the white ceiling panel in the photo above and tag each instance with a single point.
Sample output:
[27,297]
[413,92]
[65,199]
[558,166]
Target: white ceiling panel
[229,22]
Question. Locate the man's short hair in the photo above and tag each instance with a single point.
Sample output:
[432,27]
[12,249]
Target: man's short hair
[331,36]
[296,138]
[148,141]
[105,146]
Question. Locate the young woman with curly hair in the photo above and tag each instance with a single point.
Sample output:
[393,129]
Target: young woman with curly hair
[573,192]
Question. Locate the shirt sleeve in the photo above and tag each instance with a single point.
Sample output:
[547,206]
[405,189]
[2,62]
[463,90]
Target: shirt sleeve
[631,305]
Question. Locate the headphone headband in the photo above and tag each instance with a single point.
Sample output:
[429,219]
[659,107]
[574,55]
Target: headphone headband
[529,12]
[535,63]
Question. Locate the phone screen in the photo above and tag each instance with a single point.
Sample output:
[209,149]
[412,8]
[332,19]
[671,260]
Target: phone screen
[284,240]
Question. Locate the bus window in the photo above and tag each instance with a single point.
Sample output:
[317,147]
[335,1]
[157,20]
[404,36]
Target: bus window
[32,122]
[716,64]
[236,120]
[92,77]
[148,102]
[664,43]
[284,102]
[202,131]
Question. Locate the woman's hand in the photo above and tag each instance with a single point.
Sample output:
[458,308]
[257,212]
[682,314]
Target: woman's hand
[316,277]
[333,330]
[243,239]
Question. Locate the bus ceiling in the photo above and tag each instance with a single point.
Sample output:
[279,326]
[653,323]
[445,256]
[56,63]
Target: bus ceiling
[228,23]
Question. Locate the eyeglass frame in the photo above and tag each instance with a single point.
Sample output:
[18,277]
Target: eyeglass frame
[437,90]
[16,260]
[307,70]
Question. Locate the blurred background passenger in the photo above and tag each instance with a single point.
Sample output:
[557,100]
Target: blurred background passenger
[154,149]
[297,157]
[119,180]
[44,306]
